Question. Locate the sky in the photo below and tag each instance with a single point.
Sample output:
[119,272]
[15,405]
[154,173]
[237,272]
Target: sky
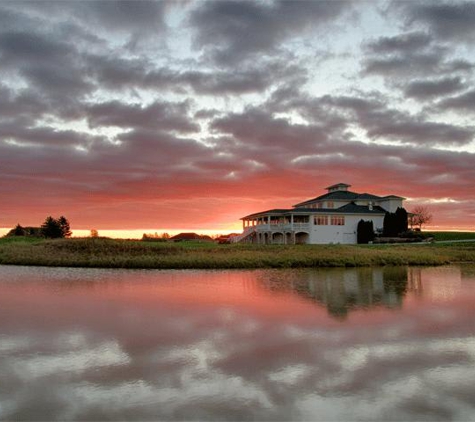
[134,116]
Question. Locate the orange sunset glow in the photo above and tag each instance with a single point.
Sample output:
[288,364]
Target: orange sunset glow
[168,117]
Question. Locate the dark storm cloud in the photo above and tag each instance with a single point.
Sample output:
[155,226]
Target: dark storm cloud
[402,54]
[22,47]
[46,64]
[422,132]
[270,140]
[148,149]
[412,41]
[382,122]
[132,17]
[379,121]
[464,102]
[403,65]
[412,54]
[45,136]
[159,115]
[21,104]
[123,15]
[446,20]
[117,73]
[236,30]
[423,89]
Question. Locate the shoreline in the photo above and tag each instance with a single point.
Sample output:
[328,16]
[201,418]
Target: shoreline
[133,254]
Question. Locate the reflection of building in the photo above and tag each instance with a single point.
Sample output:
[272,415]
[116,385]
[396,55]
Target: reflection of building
[414,281]
[329,218]
[343,290]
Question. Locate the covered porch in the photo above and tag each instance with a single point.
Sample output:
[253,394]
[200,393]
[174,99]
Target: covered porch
[280,227]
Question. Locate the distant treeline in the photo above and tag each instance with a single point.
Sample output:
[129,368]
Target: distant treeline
[52,228]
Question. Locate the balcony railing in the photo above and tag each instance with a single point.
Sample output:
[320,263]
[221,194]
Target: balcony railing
[274,227]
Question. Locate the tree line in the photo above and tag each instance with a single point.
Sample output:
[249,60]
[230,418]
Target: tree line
[52,228]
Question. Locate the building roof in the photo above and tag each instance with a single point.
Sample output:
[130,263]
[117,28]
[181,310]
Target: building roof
[337,186]
[350,208]
[392,197]
[268,212]
[186,236]
[344,195]
[368,196]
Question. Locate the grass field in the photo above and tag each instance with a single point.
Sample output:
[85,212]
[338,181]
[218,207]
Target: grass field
[441,236]
[109,253]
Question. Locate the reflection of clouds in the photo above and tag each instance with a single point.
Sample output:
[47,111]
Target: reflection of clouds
[290,374]
[106,354]
[226,361]
[195,397]
[12,344]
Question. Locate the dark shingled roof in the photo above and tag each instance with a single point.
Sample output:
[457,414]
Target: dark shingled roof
[189,236]
[344,195]
[352,208]
[271,212]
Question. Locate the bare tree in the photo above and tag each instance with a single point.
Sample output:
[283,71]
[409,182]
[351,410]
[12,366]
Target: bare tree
[421,215]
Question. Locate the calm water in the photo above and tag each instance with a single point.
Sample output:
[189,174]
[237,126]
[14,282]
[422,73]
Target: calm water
[359,344]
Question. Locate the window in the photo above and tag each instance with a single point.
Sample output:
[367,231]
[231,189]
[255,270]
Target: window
[321,220]
[319,205]
[330,204]
[338,220]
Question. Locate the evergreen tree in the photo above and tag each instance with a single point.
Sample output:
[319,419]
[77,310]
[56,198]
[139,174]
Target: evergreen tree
[51,228]
[365,232]
[390,225]
[18,231]
[65,228]
[401,219]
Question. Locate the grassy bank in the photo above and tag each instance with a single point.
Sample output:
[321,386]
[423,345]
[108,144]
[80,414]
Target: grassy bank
[442,236]
[108,253]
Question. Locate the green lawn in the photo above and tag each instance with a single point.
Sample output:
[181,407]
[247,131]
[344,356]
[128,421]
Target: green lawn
[440,236]
[110,253]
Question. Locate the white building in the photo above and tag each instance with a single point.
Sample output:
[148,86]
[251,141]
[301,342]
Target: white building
[329,218]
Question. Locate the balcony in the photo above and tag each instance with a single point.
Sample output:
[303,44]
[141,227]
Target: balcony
[280,227]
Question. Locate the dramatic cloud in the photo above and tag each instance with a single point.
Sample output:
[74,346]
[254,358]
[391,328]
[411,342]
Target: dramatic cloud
[447,20]
[164,116]
[236,30]
[197,113]
[423,89]
[464,102]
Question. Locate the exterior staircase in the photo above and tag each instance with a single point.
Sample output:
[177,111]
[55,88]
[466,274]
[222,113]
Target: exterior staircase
[246,235]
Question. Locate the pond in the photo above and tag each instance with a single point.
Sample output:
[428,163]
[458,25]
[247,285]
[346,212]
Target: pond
[314,344]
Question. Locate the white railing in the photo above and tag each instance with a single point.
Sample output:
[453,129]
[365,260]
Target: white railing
[282,226]
[301,226]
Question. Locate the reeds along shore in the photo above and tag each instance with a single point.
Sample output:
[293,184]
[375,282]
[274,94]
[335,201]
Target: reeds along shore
[110,253]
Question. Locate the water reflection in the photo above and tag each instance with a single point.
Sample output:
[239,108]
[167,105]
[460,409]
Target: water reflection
[343,290]
[372,344]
